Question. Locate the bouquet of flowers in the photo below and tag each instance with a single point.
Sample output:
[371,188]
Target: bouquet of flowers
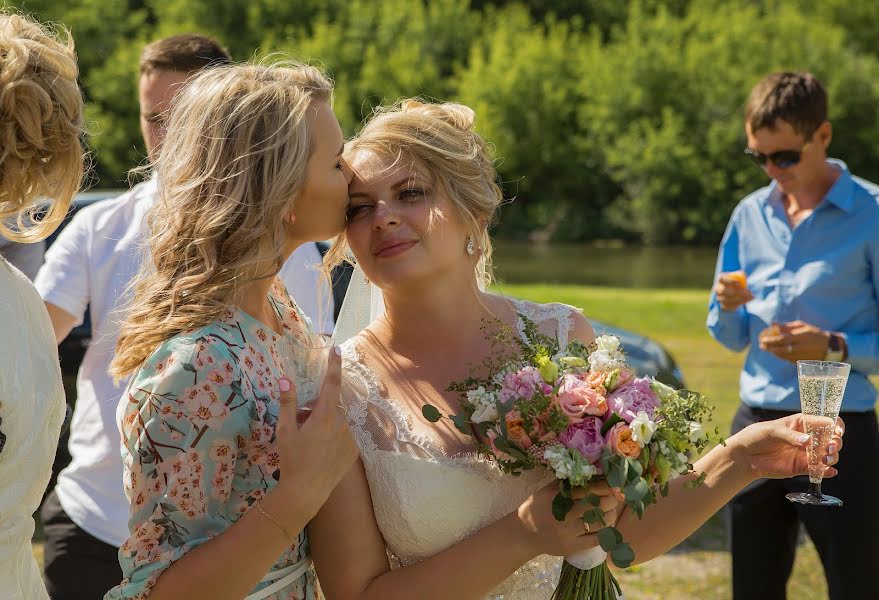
[581,413]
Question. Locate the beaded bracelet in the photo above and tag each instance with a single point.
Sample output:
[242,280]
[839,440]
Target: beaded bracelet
[283,529]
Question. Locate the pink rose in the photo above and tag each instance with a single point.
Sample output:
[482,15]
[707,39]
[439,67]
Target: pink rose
[516,430]
[578,400]
[619,440]
[540,431]
[522,384]
[586,438]
[636,396]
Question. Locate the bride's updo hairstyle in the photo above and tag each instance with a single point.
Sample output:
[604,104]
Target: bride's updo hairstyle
[440,140]
[232,164]
[41,127]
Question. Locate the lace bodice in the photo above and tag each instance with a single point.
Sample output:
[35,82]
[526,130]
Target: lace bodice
[425,500]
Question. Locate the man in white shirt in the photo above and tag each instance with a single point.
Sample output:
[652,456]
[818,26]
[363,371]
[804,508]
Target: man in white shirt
[91,265]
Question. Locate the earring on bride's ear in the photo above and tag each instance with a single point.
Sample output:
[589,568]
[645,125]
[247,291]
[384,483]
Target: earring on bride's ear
[471,246]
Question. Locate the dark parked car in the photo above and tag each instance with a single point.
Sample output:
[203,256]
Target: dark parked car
[646,356]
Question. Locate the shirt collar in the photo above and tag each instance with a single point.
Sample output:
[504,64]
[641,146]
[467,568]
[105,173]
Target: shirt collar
[840,194]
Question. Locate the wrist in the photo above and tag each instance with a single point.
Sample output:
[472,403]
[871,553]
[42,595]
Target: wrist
[522,537]
[837,349]
[287,509]
[733,463]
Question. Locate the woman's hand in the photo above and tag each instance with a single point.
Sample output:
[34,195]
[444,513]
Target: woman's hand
[546,535]
[777,449]
[316,455]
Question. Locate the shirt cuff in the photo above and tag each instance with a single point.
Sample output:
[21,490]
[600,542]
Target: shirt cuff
[66,302]
[862,351]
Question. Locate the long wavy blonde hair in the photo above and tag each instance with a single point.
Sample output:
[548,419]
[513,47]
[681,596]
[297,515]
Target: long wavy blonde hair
[41,127]
[441,139]
[234,159]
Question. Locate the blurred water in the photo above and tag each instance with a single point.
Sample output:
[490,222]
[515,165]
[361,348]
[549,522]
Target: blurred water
[629,267]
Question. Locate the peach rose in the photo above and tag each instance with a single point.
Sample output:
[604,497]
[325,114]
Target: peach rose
[516,430]
[619,440]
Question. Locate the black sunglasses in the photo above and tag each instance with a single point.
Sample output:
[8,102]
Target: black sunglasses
[783,159]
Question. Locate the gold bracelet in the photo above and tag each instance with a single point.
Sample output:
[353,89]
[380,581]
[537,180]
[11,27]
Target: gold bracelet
[283,529]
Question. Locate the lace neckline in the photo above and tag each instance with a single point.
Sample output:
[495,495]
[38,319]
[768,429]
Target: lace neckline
[427,442]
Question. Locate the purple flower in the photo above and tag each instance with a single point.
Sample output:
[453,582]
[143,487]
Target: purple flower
[585,437]
[633,397]
[522,384]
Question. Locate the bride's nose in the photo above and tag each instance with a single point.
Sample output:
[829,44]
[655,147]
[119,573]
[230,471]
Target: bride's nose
[384,215]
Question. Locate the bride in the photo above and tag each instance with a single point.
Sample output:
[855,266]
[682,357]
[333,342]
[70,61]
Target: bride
[423,195]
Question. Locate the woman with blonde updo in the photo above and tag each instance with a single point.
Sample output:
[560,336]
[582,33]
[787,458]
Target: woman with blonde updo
[423,194]
[41,166]
[220,478]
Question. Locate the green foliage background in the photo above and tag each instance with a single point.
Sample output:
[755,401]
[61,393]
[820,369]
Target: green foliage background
[609,119]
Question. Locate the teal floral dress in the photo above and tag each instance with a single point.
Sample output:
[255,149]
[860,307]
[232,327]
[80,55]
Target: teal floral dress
[198,435]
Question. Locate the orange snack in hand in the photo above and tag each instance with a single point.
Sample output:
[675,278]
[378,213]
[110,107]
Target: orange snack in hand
[739,277]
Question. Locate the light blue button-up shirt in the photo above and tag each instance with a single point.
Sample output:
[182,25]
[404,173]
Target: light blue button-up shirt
[824,271]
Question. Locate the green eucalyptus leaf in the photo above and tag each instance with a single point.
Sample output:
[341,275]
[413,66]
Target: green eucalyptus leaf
[561,506]
[462,423]
[622,556]
[609,538]
[636,490]
[593,515]
[431,413]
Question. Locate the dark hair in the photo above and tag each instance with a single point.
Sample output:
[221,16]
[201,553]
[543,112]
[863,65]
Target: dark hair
[796,98]
[185,53]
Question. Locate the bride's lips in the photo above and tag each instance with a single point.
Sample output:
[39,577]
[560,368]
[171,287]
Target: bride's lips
[392,247]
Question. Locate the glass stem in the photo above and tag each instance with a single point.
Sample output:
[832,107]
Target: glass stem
[815,489]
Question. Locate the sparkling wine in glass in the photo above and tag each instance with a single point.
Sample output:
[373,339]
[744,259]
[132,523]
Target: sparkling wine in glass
[304,360]
[822,386]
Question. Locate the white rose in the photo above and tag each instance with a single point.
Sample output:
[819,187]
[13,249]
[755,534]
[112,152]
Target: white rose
[696,431]
[608,343]
[484,413]
[642,428]
[602,360]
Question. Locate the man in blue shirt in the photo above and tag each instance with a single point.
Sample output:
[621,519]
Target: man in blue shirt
[798,279]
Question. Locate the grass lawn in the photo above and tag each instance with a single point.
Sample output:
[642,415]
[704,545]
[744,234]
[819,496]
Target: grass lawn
[700,567]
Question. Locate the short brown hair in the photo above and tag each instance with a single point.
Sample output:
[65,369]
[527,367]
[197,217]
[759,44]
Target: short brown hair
[185,53]
[796,98]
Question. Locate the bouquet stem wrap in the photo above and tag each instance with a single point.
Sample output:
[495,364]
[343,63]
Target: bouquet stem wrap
[587,559]
[586,576]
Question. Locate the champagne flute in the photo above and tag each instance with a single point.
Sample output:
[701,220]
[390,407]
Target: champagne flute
[304,360]
[822,386]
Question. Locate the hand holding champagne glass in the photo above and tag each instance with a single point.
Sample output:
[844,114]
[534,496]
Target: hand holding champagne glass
[822,387]
[304,359]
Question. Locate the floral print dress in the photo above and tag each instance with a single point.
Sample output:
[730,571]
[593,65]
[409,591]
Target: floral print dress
[198,435]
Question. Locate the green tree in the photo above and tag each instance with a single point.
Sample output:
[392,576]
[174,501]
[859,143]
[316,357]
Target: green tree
[523,83]
[666,103]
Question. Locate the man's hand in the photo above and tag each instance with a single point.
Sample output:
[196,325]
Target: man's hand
[795,341]
[732,291]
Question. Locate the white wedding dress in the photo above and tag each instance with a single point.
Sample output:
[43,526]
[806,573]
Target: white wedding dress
[32,409]
[425,500]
